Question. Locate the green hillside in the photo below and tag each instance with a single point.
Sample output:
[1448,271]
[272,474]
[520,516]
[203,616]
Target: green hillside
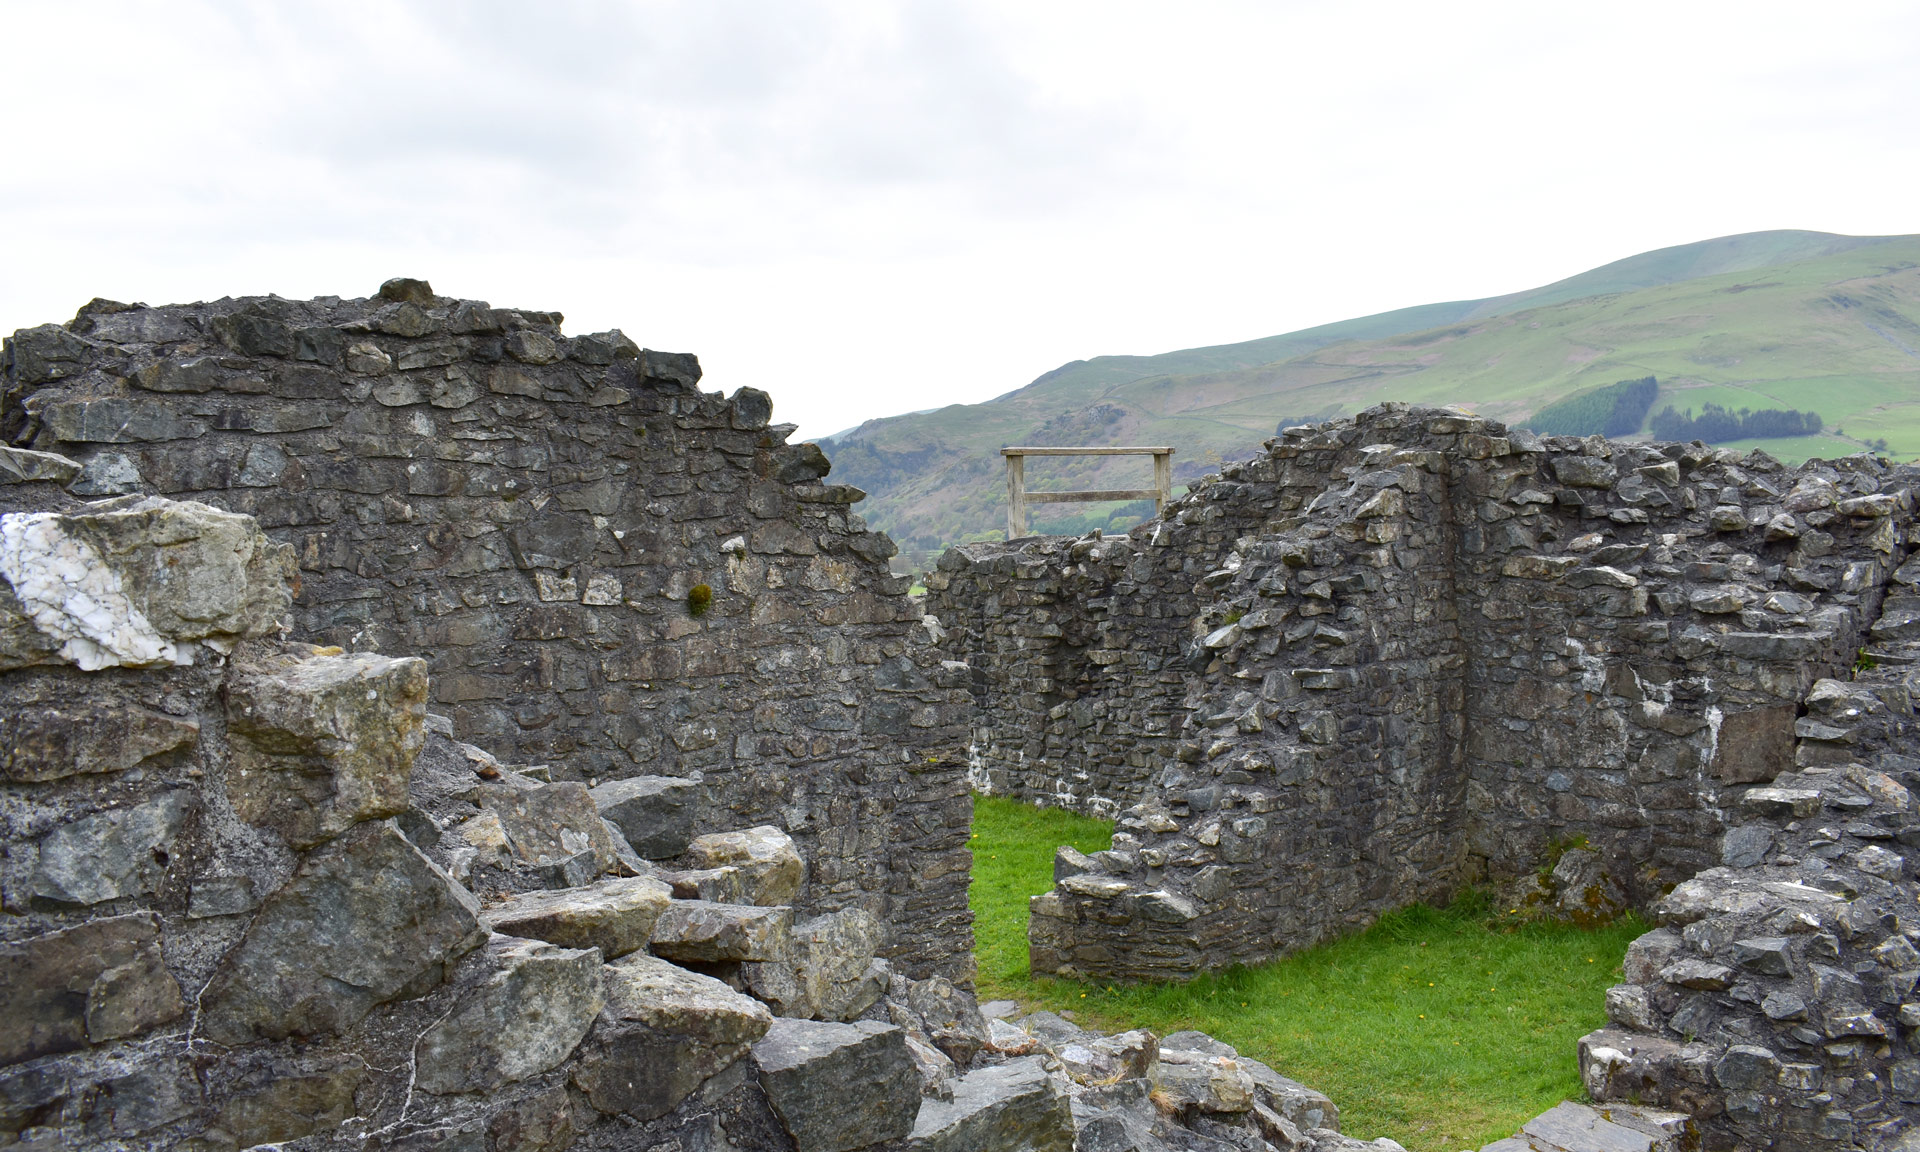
[1787,320]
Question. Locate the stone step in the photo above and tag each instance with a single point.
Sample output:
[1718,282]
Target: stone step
[1671,1131]
[1570,1127]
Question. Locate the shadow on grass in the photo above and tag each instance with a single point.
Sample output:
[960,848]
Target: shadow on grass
[1442,1028]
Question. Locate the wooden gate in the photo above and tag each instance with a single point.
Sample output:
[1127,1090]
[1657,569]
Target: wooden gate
[1018,497]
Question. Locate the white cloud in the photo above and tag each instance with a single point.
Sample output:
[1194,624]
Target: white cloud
[872,208]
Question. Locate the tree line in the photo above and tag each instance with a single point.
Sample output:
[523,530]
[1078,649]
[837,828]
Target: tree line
[1717,425]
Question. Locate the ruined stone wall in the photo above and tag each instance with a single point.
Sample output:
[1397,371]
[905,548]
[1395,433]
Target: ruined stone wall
[255,895]
[1074,652]
[1775,1003]
[1077,649]
[533,514]
[1448,653]
[1641,644]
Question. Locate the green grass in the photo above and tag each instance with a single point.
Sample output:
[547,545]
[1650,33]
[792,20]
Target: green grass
[1444,1029]
[1013,847]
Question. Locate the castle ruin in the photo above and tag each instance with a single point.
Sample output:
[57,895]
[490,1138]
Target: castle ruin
[1414,651]
[425,730]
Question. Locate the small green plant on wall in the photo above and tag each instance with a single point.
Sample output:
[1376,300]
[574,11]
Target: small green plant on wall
[699,599]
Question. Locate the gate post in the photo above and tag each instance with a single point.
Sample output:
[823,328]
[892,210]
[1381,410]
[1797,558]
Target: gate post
[1016,495]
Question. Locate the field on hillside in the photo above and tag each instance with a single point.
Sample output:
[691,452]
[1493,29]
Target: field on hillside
[1834,329]
[1441,1029]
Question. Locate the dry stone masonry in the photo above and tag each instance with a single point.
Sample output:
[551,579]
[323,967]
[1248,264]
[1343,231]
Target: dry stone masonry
[1427,653]
[1777,1001]
[1414,651]
[256,890]
[256,894]
[536,516]
[420,730]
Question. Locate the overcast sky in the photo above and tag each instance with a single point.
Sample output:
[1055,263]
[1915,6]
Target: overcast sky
[869,208]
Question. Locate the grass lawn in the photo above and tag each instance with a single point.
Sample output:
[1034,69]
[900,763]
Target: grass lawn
[1444,1029]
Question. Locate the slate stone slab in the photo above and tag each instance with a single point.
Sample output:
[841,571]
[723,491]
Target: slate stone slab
[365,919]
[616,916]
[839,1086]
[1569,1127]
[23,466]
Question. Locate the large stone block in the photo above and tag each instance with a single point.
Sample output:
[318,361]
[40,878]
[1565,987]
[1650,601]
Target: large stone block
[664,1032]
[1199,1079]
[1754,746]
[1584,471]
[99,981]
[615,916]
[770,868]
[553,540]
[366,919]
[1011,1107]
[548,825]
[322,740]
[288,1100]
[138,581]
[657,814]
[839,1086]
[110,854]
[947,1015]
[534,1006]
[831,973]
[72,739]
[699,932]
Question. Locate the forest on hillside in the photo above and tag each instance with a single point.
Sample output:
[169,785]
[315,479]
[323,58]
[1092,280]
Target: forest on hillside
[1717,425]
[1616,410]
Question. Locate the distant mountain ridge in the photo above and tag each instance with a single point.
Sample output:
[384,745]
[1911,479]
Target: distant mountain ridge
[1834,317]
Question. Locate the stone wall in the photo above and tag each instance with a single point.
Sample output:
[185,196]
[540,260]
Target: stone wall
[1077,648]
[255,895]
[1775,1004]
[541,518]
[1078,675]
[1425,653]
